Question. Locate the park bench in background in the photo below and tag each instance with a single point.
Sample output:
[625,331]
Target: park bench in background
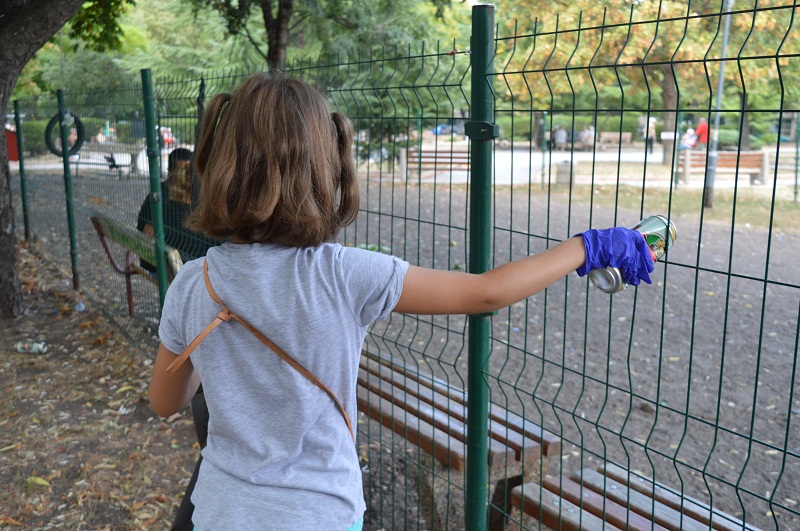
[439,159]
[136,244]
[613,138]
[432,414]
[615,498]
[752,163]
[118,158]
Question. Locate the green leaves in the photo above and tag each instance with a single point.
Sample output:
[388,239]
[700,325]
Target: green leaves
[97,23]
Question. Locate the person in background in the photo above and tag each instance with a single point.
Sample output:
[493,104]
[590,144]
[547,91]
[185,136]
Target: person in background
[560,136]
[688,139]
[176,194]
[702,134]
[651,134]
[278,182]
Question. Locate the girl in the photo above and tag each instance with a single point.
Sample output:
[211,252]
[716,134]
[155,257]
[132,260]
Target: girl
[277,183]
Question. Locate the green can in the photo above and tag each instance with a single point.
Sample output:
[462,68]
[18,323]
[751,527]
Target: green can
[659,232]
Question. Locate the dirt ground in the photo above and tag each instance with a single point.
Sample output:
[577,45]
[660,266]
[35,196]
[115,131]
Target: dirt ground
[693,380]
[80,447]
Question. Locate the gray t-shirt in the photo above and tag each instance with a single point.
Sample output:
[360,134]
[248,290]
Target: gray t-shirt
[279,454]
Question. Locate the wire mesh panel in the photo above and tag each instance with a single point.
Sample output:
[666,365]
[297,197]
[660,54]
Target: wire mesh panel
[689,382]
[408,108]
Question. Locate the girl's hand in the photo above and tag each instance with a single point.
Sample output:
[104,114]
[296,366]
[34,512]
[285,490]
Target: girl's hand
[625,249]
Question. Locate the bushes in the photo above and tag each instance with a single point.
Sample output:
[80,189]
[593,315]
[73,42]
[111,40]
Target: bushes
[728,139]
[92,126]
[33,137]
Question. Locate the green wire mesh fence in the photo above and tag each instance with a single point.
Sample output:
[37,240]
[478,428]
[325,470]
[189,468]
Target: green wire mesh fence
[690,383]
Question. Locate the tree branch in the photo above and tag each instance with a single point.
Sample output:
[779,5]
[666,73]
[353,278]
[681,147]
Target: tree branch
[255,43]
[299,21]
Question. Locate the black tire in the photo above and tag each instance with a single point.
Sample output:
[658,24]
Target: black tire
[49,139]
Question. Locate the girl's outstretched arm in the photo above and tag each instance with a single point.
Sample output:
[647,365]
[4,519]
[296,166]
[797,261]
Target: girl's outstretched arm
[430,291]
[170,393]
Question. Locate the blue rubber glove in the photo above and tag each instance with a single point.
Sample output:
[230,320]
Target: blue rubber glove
[625,249]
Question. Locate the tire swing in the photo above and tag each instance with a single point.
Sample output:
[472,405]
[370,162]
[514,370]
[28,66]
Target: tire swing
[49,139]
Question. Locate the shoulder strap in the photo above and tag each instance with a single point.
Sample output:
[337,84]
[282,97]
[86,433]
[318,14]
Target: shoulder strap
[227,315]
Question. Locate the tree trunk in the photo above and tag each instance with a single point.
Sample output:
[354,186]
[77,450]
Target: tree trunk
[669,94]
[745,138]
[277,26]
[25,26]
[10,297]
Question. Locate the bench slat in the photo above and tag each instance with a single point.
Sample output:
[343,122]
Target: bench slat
[611,137]
[553,511]
[137,242]
[689,506]
[447,450]
[550,443]
[450,417]
[638,502]
[747,162]
[439,158]
[603,508]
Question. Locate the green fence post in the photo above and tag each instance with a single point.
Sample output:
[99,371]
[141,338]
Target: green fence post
[23,187]
[73,244]
[156,201]
[481,131]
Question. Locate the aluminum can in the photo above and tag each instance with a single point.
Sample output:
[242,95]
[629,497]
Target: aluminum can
[34,348]
[659,232]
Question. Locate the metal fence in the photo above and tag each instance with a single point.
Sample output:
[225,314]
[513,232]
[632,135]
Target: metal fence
[690,382]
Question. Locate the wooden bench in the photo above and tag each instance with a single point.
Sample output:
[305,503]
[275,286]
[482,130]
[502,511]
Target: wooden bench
[576,145]
[136,244]
[752,163]
[432,414]
[439,159]
[614,498]
[614,138]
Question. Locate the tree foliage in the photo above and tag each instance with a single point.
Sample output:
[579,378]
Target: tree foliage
[97,24]
[324,25]
[647,58]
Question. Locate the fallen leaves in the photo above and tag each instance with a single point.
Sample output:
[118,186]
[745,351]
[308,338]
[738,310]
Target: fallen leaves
[79,444]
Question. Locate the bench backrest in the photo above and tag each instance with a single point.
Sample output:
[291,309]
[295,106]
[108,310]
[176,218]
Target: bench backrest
[136,241]
[505,421]
[626,137]
[726,159]
[443,156]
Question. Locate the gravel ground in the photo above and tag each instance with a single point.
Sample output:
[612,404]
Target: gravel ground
[692,380]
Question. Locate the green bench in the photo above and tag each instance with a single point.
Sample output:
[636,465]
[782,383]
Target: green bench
[431,414]
[136,244]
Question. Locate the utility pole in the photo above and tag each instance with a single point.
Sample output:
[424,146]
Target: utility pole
[708,193]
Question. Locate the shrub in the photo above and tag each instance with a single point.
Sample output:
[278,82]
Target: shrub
[728,139]
[33,137]
[92,126]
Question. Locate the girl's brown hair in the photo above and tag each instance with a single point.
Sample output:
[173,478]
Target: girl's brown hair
[275,165]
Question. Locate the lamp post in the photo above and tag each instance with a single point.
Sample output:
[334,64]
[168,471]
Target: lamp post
[708,193]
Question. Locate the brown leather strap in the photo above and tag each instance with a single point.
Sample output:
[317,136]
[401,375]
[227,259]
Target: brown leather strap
[227,315]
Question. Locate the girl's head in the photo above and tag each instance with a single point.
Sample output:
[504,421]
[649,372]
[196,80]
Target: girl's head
[275,165]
